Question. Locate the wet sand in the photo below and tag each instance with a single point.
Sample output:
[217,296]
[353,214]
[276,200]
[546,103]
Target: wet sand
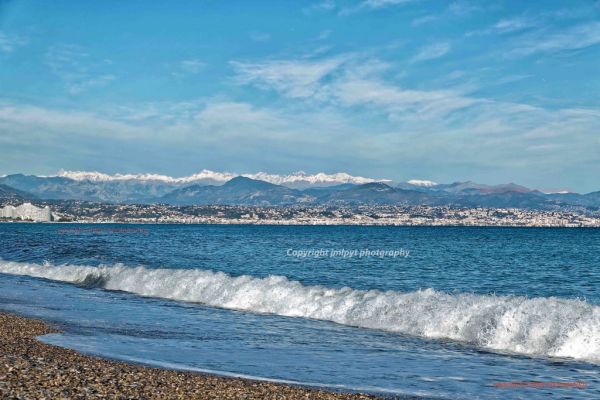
[30,369]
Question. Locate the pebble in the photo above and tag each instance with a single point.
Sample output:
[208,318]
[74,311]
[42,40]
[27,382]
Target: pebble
[30,369]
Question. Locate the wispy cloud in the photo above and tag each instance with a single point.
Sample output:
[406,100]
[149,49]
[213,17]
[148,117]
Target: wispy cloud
[224,119]
[372,5]
[464,7]
[294,78]
[77,68]
[90,82]
[456,9]
[507,26]
[320,6]
[576,37]
[192,66]
[419,125]
[514,24]
[260,36]
[401,103]
[383,3]
[348,80]
[174,123]
[324,34]
[211,132]
[431,52]
[188,67]
[8,43]
[37,121]
[424,20]
[351,84]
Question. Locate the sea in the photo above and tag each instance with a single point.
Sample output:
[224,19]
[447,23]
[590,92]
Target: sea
[430,312]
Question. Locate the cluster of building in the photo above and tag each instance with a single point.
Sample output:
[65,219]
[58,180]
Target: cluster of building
[405,215]
[27,212]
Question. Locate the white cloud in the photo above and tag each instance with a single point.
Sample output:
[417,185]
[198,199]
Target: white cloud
[577,37]
[294,78]
[39,121]
[372,5]
[508,26]
[383,3]
[192,66]
[424,20]
[66,60]
[463,8]
[85,84]
[78,70]
[231,134]
[325,5]
[420,125]
[478,131]
[431,52]
[514,24]
[234,119]
[348,81]
[401,103]
[188,67]
[192,122]
[8,43]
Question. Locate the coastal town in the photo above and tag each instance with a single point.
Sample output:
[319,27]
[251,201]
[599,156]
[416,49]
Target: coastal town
[396,215]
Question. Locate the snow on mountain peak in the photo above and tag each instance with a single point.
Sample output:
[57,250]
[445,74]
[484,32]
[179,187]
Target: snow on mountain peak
[299,178]
[102,177]
[421,182]
[558,191]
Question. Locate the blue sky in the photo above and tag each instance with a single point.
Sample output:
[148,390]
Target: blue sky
[401,89]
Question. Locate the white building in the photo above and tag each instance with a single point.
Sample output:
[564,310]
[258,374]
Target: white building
[7,212]
[27,211]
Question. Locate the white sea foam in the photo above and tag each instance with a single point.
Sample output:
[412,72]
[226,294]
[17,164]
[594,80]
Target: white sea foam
[535,326]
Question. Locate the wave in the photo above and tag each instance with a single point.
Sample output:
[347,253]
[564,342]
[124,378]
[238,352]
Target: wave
[545,326]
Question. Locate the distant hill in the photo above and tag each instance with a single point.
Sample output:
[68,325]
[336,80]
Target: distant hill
[478,188]
[9,193]
[238,191]
[375,193]
[322,191]
[508,199]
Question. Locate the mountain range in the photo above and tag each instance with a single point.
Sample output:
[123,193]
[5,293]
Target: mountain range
[207,187]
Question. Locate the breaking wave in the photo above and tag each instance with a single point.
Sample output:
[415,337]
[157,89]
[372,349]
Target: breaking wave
[533,326]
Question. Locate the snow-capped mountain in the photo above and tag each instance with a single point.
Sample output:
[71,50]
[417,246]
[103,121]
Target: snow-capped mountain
[421,182]
[295,180]
[148,188]
[204,175]
[210,187]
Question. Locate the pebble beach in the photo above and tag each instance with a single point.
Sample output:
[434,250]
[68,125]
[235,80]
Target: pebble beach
[30,369]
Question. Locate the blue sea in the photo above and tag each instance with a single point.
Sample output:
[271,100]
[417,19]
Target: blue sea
[433,312]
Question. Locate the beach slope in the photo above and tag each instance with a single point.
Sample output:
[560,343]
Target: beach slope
[31,369]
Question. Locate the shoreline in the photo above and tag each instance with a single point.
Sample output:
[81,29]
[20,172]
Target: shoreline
[273,223]
[32,369]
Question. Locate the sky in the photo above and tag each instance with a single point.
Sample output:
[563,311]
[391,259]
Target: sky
[493,92]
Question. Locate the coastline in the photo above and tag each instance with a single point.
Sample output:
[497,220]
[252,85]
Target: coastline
[32,369]
[287,223]
[365,215]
